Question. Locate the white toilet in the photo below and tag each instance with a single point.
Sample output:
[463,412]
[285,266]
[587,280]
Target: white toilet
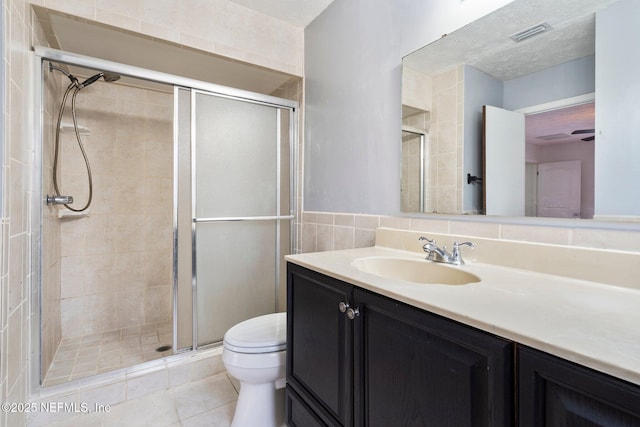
[255,353]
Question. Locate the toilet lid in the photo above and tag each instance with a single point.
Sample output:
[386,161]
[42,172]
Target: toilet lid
[262,334]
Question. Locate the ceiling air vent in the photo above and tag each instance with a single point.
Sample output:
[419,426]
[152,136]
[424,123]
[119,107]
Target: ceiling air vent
[530,32]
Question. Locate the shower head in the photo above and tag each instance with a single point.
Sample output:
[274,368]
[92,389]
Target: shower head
[108,77]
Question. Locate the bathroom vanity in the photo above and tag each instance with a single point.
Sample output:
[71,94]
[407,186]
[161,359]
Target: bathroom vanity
[365,350]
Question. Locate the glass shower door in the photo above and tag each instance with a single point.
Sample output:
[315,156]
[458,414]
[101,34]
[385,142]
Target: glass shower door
[241,209]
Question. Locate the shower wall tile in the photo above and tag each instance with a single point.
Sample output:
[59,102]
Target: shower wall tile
[117,260]
[159,12]
[82,8]
[220,27]
[129,269]
[73,271]
[14,342]
[97,274]
[16,272]
[131,306]
[157,192]
[159,159]
[445,148]
[153,273]
[131,198]
[157,304]
[72,318]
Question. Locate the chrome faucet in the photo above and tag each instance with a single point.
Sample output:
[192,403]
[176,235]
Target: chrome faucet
[434,253]
[437,254]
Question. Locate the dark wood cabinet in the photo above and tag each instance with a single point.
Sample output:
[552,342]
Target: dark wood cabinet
[392,365]
[397,365]
[319,346]
[414,368]
[554,392]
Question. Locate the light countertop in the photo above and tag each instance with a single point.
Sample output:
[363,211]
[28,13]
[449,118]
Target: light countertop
[593,324]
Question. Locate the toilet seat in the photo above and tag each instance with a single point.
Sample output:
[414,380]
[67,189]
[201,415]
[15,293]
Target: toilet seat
[262,334]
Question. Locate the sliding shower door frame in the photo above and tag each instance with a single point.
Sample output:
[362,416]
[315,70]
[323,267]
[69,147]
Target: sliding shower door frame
[41,54]
[278,218]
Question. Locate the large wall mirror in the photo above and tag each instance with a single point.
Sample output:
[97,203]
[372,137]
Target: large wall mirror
[512,118]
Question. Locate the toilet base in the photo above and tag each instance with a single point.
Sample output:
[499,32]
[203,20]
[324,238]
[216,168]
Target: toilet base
[259,405]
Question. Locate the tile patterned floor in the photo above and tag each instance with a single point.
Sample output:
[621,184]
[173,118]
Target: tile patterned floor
[207,402]
[94,354]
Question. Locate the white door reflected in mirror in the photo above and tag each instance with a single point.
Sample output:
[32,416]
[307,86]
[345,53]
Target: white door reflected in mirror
[504,162]
[559,189]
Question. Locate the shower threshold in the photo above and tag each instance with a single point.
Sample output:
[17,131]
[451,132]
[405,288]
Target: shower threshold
[81,357]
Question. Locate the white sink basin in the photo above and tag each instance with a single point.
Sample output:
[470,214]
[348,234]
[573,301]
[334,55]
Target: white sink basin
[412,270]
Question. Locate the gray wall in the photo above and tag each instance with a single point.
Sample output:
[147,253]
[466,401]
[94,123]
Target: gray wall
[562,81]
[479,89]
[617,157]
[353,58]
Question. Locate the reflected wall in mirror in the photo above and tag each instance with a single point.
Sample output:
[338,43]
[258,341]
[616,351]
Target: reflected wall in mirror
[549,78]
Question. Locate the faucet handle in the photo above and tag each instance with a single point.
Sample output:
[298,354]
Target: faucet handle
[433,242]
[456,245]
[456,257]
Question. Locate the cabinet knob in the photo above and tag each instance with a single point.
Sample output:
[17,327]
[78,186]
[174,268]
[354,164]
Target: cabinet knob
[342,306]
[352,314]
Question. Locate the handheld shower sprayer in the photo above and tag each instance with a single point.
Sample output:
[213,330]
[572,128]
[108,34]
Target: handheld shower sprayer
[74,86]
[108,77]
[90,80]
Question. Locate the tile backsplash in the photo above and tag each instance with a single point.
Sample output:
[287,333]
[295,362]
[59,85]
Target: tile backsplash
[325,231]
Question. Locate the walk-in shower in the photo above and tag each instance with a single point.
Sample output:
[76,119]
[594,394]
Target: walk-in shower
[178,226]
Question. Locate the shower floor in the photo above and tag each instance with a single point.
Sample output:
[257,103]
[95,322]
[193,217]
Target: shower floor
[94,354]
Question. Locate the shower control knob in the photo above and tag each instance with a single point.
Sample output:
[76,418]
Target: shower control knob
[343,306]
[352,314]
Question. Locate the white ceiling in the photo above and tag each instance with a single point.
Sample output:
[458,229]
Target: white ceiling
[486,45]
[299,13]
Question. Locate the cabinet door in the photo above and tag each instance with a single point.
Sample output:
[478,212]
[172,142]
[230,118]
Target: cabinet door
[319,342]
[414,368]
[299,414]
[555,392]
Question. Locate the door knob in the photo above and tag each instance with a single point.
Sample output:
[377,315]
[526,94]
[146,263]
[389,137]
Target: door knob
[352,314]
